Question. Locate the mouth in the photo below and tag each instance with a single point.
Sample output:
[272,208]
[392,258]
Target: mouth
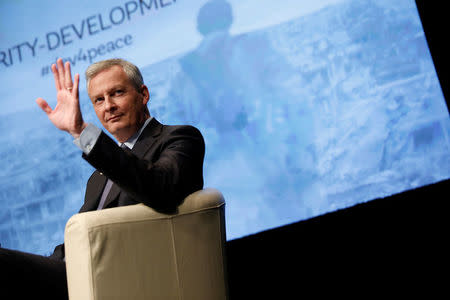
[114,118]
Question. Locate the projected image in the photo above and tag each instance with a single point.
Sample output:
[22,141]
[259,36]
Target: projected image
[316,108]
[308,116]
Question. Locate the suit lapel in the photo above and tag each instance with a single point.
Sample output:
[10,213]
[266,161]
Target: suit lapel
[142,146]
[147,138]
[112,195]
[94,190]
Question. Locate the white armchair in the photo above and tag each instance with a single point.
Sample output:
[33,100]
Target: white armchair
[134,252]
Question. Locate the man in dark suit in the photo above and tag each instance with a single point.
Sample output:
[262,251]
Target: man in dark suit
[154,164]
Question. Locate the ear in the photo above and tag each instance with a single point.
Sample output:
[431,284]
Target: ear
[145,93]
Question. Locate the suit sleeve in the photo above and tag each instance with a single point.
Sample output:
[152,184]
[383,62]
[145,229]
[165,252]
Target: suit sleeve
[161,179]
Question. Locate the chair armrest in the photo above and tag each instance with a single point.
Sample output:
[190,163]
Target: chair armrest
[134,252]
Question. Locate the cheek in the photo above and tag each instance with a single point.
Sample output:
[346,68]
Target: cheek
[99,114]
[130,108]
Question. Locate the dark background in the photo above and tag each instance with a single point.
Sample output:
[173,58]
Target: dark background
[390,247]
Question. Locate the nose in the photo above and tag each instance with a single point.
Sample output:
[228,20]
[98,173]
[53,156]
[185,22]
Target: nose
[109,104]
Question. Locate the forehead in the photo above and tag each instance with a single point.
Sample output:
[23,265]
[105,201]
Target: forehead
[107,79]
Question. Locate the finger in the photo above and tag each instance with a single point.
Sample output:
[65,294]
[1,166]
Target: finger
[44,105]
[60,68]
[76,83]
[68,76]
[56,77]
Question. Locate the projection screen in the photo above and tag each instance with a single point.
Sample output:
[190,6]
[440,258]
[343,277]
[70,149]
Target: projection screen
[306,107]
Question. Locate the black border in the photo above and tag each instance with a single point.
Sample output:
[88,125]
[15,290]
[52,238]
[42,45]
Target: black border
[434,17]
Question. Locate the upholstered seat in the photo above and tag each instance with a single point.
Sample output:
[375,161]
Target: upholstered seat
[134,252]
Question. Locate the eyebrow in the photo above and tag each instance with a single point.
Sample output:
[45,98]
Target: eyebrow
[110,90]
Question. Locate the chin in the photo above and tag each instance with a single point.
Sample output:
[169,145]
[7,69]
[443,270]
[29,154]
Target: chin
[118,129]
[114,129]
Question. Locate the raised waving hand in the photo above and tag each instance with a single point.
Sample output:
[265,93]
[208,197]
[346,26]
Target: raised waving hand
[67,114]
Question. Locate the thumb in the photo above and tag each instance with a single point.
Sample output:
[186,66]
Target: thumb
[44,105]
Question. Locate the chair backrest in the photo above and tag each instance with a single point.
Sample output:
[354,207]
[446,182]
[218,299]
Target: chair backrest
[134,252]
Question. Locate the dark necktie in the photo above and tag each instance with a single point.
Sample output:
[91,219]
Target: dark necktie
[105,193]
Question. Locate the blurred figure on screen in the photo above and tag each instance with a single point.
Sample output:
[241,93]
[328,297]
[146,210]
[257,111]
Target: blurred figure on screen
[252,107]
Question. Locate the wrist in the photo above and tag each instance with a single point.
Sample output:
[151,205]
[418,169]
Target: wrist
[77,132]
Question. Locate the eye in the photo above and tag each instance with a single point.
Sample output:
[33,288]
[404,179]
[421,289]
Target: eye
[99,99]
[119,92]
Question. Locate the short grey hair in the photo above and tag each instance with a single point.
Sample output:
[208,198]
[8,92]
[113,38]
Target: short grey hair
[133,73]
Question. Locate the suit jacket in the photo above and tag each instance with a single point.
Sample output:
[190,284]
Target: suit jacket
[164,166]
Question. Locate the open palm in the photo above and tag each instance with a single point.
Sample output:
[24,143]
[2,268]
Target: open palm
[67,114]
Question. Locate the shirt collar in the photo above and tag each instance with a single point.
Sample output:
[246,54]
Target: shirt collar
[133,139]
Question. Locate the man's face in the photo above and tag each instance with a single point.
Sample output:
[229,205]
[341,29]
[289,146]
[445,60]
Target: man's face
[119,107]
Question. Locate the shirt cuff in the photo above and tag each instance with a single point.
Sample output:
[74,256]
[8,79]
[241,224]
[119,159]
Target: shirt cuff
[88,137]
